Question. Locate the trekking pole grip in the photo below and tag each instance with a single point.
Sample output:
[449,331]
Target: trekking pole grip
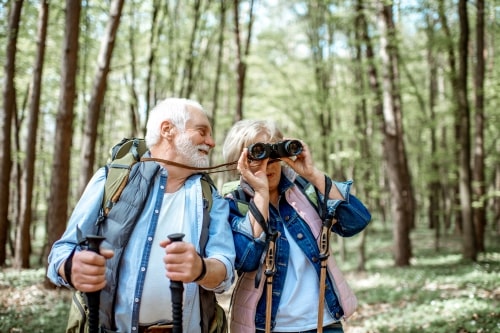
[176,290]
[93,298]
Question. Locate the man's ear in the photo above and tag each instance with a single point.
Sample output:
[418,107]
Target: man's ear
[166,129]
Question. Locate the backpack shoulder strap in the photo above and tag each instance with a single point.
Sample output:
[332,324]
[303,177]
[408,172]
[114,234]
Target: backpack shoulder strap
[308,189]
[206,188]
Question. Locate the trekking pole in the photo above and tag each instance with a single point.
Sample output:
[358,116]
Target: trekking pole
[324,251]
[93,298]
[323,256]
[176,290]
[270,270]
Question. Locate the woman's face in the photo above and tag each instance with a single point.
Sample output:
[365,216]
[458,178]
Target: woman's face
[273,170]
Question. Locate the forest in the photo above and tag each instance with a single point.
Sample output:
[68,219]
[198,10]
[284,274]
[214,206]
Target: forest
[400,96]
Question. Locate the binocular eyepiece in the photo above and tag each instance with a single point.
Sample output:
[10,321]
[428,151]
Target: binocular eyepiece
[259,151]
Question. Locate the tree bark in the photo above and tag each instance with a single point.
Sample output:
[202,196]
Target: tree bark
[469,239]
[478,176]
[57,213]
[242,52]
[9,109]
[23,239]
[97,97]
[393,146]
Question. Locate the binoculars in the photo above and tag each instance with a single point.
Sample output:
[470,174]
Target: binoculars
[259,151]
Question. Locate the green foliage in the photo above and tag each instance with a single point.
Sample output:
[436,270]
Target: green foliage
[438,293]
[26,307]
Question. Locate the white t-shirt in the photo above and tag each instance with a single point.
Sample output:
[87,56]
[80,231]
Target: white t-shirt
[156,303]
[298,310]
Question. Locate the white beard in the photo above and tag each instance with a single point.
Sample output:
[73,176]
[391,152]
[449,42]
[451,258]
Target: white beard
[190,153]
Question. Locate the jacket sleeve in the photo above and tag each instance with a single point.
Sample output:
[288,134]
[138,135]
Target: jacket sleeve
[249,250]
[220,245]
[351,214]
[84,216]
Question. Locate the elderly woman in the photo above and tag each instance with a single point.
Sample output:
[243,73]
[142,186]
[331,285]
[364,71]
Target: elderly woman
[282,211]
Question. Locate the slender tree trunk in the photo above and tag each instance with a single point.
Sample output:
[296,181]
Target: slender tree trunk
[360,37]
[454,187]
[98,90]
[242,52]
[318,18]
[469,238]
[6,115]
[478,175]
[151,59]
[23,239]
[394,150]
[134,103]
[57,213]
[434,195]
[187,87]
[218,70]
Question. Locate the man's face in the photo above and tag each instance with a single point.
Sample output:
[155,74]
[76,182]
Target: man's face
[194,143]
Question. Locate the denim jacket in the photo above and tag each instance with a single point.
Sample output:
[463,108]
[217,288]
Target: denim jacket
[352,217]
[134,262]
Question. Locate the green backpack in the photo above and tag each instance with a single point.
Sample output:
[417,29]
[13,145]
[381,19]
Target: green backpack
[123,156]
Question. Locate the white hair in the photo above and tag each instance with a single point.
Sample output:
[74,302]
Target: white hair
[244,132]
[172,109]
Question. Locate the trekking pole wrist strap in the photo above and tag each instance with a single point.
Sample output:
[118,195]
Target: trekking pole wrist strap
[203,270]
[68,265]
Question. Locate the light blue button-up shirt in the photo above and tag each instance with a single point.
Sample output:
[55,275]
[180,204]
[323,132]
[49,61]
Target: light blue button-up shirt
[134,262]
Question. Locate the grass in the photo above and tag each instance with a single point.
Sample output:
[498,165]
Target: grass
[438,293]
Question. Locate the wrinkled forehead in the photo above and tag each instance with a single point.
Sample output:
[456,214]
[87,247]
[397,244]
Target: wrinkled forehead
[197,118]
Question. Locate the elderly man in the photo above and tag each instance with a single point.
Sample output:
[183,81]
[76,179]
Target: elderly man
[137,261]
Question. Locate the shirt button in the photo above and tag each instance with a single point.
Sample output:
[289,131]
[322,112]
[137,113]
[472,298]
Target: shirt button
[162,187]
[300,235]
[156,211]
[143,269]
[150,239]
[136,300]
[134,328]
[314,259]
[337,315]
[287,218]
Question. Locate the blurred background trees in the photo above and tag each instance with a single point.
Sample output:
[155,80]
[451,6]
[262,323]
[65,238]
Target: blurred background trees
[400,96]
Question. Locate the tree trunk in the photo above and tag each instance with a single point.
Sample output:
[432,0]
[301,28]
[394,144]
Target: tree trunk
[23,239]
[478,176]
[97,97]
[454,187]
[57,213]
[469,238]
[435,188]
[394,148]
[151,59]
[218,70]
[187,86]
[242,52]
[318,22]
[9,109]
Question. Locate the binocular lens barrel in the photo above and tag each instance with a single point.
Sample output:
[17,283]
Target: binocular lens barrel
[259,151]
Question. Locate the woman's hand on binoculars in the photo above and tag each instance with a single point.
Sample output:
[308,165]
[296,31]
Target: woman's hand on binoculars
[253,173]
[303,163]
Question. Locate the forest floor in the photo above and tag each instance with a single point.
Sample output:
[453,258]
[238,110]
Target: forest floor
[437,293]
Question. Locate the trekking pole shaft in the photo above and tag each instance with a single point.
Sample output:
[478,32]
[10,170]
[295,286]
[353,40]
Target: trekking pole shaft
[93,298]
[269,272]
[324,248]
[177,291]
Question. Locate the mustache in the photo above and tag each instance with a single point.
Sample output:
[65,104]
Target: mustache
[203,147]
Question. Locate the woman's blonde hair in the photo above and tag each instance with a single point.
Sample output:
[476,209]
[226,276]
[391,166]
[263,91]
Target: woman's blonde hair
[244,133]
